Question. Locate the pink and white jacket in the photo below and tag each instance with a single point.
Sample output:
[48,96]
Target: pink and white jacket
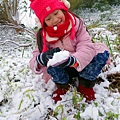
[82,48]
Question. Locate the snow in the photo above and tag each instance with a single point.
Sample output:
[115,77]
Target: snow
[58,57]
[25,96]
[26,18]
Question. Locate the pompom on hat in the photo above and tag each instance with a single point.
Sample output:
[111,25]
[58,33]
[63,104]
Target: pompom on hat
[42,8]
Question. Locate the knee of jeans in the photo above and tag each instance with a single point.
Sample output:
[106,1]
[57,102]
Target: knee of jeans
[59,75]
[50,70]
[54,70]
[102,57]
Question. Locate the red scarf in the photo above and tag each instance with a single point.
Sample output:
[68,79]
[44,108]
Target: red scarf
[60,30]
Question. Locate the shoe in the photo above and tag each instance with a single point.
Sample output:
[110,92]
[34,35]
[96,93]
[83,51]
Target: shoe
[60,91]
[88,93]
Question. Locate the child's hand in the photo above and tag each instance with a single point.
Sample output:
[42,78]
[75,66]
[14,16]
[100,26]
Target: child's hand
[43,58]
[66,63]
[62,59]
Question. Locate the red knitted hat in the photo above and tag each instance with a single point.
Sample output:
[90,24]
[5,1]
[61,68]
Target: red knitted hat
[42,8]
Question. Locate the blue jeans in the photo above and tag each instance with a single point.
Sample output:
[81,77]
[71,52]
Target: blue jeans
[90,72]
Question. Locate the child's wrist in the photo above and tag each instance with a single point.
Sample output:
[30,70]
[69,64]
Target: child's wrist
[38,67]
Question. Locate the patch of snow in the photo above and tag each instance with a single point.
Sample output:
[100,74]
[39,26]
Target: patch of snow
[25,96]
[58,57]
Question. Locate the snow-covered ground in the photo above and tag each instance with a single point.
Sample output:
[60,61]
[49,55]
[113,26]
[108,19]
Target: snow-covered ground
[25,96]
[102,17]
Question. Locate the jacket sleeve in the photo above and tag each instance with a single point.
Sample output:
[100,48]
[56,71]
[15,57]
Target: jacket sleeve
[33,66]
[85,48]
[33,63]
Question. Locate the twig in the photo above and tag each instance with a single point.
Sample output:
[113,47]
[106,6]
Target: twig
[18,27]
[20,45]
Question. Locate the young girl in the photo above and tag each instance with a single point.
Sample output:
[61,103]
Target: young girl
[62,30]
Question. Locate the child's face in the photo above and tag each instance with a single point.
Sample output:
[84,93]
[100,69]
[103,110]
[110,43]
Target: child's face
[55,18]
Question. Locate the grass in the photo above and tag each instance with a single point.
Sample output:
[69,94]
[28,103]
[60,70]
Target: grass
[100,5]
[76,98]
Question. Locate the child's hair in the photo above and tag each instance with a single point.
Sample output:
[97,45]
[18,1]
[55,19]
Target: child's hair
[40,40]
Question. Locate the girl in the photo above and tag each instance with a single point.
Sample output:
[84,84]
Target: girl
[62,30]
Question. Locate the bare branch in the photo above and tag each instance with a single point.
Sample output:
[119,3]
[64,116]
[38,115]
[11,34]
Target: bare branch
[20,45]
[8,13]
[15,4]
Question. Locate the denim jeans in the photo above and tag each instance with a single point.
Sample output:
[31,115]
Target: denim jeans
[90,72]
[59,75]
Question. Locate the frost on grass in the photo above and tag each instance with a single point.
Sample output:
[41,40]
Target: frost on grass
[25,96]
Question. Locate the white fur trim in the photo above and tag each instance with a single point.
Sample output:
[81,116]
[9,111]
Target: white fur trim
[70,26]
[49,39]
[66,3]
[72,18]
[38,23]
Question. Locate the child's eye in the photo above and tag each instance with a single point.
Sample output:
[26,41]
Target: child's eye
[47,19]
[56,13]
